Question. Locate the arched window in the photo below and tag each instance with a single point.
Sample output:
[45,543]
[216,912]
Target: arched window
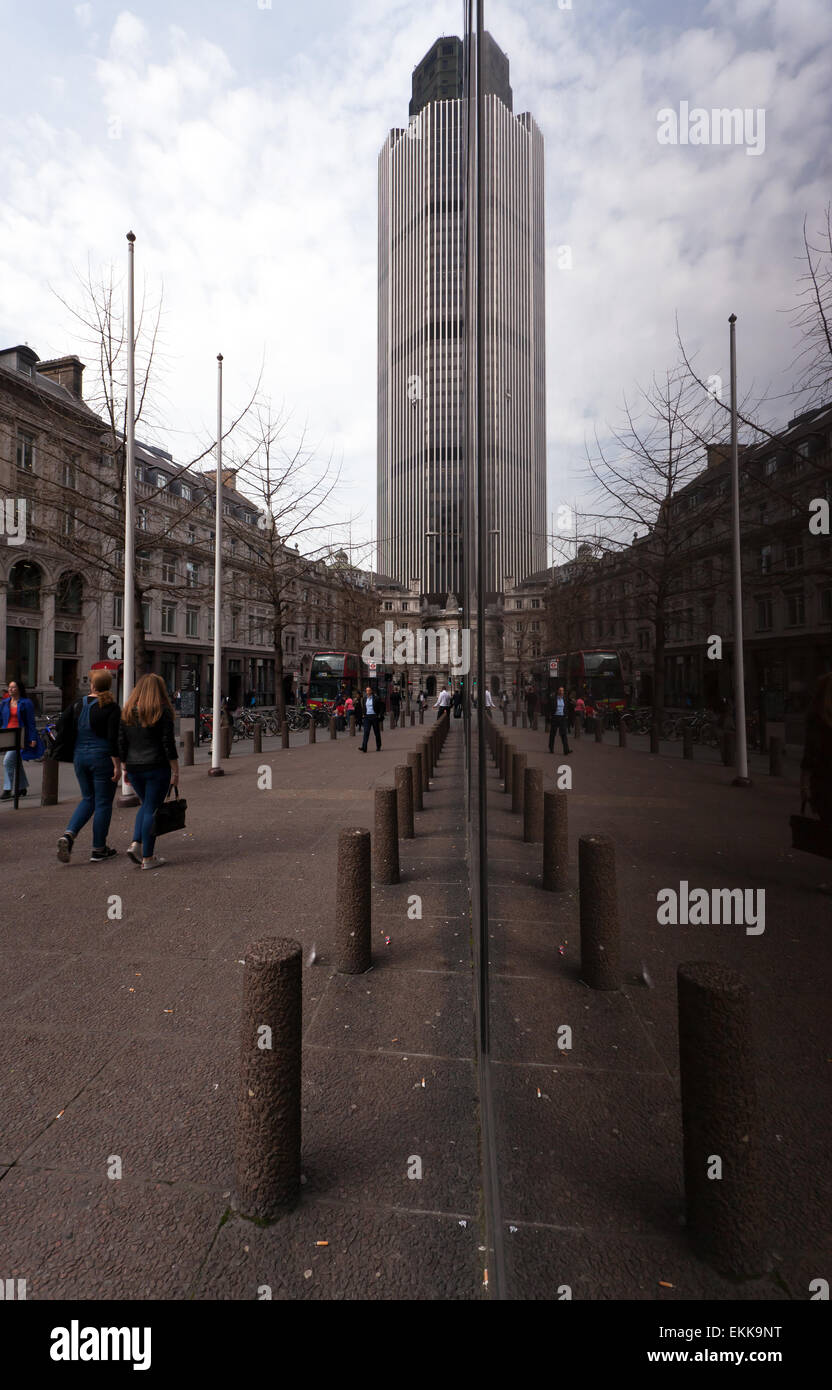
[24,585]
[70,594]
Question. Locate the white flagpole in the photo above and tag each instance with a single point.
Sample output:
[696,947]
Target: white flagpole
[128,670]
[216,750]
[742,779]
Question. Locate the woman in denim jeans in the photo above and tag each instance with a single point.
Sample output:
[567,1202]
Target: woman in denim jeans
[147,746]
[97,768]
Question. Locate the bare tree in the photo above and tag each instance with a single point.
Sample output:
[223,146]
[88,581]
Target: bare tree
[292,491]
[86,499]
[657,453]
[814,317]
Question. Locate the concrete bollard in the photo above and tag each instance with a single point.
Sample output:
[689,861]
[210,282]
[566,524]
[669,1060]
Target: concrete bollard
[333,732]
[412,718]
[524,720]
[353,903]
[555,840]
[654,738]
[514,719]
[518,772]
[533,805]
[227,735]
[386,836]
[687,743]
[414,762]
[188,753]
[728,741]
[599,729]
[505,714]
[423,754]
[599,912]
[719,1119]
[421,714]
[267,1160]
[404,801]
[49,784]
[313,730]
[352,723]
[775,756]
[284,734]
[258,738]
[508,769]
[622,735]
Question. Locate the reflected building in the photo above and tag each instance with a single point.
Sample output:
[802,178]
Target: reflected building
[421,333]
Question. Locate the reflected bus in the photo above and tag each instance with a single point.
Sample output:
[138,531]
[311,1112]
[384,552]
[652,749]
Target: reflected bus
[594,673]
[331,674]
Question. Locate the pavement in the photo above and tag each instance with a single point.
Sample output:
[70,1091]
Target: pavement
[121,1037]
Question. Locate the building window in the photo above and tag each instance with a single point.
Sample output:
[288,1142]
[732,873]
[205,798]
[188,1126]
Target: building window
[25,451]
[118,610]
[795,609]
[69,596]
[107,461]
[643,640]
[146,615]
[169,569]
[518,603]
[186,492]
[191,622]
[24,585]
[765,559]
[191,535]
[139,471]
[535,603]
[142,561]
[161,481]
[794,556]
[70,478]
[770,465]
[191,574]
[142,519]
[68,523]
[764,614]
[169,619]
[235,622]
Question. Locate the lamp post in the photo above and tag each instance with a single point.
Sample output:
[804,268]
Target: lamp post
[216,749]
[742,779]
[127,796]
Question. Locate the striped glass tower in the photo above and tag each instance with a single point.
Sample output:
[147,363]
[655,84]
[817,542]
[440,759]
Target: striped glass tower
[421,333]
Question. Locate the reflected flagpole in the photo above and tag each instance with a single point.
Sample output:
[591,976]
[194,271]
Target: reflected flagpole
[216,749]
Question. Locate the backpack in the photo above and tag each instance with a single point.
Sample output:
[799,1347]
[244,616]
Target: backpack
[66,733]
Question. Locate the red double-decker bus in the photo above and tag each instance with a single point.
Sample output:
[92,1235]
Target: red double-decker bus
[594,673]
[330,674]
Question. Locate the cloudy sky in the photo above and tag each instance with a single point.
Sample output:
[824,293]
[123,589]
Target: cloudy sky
[239,140]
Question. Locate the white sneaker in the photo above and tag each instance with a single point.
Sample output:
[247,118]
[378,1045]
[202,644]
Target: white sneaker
[155,863]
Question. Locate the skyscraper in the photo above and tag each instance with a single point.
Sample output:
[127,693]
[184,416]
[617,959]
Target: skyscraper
[421,331]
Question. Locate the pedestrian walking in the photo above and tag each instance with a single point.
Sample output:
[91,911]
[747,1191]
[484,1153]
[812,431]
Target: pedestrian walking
[371,721]
[18,712]
[339,714]
[558,720]
[456,701]
[489,699]
[147,748]
[579,715]
[91,726]
[531,704]
[816,764]
[395,704]
[443,704]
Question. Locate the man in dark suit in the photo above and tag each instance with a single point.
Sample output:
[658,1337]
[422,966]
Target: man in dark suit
[371,720]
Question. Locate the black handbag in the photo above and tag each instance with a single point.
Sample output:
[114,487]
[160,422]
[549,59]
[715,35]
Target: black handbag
[170,815]
[811,835]
[66,734]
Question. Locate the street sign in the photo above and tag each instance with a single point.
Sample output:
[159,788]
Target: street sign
[554,666]
[371,667]
[637,675]
[188,704]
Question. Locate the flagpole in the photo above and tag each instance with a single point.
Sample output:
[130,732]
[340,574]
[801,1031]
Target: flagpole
[742,779]
[128,654]
[216,749]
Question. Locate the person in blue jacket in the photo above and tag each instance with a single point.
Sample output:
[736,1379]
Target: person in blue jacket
[18,712]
